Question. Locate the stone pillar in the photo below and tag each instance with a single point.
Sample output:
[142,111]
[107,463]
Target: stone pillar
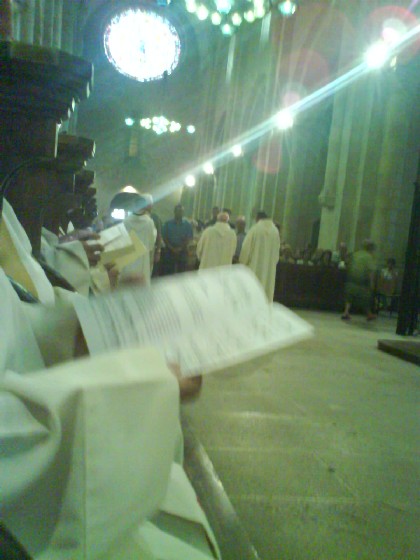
[359,181]
[27,20]
[16,21]
[58,15]
[391,170]
[67,27]
[39,22]
[336,169]
[48,32]
[295,230]
[5,20]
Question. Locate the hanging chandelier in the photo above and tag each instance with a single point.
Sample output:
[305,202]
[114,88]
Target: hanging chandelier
[228,15]
[159,124]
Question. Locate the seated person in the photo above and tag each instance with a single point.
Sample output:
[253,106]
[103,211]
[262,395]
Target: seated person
[16,257]
[326,257]
[340,257]
[86,444]
[304,256]
[89,466]
[387,284]
[316,257]
[286,254]
[71,259]
[107,486]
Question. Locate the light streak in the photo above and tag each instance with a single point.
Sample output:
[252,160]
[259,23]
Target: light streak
[224,154]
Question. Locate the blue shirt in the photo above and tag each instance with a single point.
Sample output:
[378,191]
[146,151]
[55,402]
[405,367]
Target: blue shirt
[176,233]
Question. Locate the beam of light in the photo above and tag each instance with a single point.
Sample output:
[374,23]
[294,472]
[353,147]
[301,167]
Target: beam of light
[249,138]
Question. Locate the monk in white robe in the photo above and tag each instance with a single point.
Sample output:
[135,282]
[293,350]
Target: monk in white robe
[87,455]
[217,244]
[260,251]
[76,471]
[16,257]
[71,259]
[82,518]
[143,226]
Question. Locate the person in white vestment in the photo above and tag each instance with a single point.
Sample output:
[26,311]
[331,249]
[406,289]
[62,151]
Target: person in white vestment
[217,243]
[260,252]
[87,455]
[16,257]
[78,475]
[71,259]
[143,226]
[17,261]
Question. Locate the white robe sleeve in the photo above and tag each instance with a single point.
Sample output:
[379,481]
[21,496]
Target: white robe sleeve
[23,248]
[68,259]
[200,245]
[245,255]
[86,451]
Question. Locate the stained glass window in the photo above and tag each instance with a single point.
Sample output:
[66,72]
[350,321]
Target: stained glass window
[142,45]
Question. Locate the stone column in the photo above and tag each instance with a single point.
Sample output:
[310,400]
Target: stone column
[391,169]
[331,196]
[5,20]
[48,32]
[28,22]
[67,27]
[360,192]
[39,22]
[58,15]
[294,231]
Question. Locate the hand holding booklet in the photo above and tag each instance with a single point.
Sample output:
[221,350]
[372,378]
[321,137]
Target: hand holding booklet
[120,247]
[204,321]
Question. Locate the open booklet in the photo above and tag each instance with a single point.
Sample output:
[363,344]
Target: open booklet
[204,321]
[120,246]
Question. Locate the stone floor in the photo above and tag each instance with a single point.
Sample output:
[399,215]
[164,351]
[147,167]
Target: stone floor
[317,446]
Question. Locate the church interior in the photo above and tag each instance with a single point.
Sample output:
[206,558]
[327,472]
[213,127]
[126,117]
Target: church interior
[307,110]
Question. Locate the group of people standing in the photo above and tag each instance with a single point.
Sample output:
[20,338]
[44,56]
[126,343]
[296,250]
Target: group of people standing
[220,245]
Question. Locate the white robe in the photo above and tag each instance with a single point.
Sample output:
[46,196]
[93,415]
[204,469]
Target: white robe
[216,246]
[87,453]
[22,247]
[68,259]
[260,251]
[144,227]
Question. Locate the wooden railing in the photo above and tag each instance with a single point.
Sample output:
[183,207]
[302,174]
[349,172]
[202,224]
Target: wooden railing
[312,287]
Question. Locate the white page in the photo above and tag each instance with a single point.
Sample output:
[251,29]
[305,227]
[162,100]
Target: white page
[202,320]
[115,237]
